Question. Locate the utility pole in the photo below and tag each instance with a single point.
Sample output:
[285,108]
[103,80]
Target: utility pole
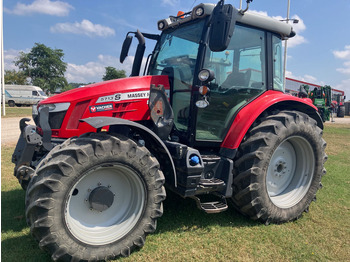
[2,59]
[285,50]
[2,64]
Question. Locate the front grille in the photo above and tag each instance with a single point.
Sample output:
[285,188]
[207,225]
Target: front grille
[56,119]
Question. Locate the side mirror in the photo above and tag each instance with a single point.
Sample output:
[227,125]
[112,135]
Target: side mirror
[125,48]
[223,20]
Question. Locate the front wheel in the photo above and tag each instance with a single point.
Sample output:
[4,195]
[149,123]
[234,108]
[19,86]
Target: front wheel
[11,103]
[95,198]
[279,167]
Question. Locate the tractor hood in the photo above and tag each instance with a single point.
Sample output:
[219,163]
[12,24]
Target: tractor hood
[107,88]
[125,98]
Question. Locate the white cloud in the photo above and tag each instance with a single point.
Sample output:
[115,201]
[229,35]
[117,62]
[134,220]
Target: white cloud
[170,2]
[55,8]
[10,56]
[94,71]
[345,86]
[344,55]
[305,78]
[85,27]
[299,28]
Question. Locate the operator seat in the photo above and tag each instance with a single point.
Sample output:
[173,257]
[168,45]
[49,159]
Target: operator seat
[237,79]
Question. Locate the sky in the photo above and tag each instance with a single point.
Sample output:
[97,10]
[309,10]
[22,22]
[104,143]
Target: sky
[91,33]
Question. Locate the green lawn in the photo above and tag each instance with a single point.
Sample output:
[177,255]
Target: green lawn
[185,233]
[17,111]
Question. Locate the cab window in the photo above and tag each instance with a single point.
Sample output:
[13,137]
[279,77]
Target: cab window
[240,75]
[277,64]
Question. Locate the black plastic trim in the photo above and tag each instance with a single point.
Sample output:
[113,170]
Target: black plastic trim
[99,122]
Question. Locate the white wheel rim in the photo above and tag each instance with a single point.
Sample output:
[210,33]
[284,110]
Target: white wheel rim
[99,228]
[290,172]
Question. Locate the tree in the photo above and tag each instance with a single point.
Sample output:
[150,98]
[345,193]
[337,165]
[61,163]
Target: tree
[112,73]
[44,66]
[12,77]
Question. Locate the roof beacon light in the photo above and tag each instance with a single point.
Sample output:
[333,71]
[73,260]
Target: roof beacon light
[180,14]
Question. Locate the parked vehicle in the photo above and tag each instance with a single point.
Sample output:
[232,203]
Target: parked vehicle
[209,118]
[336,97]
[19,95]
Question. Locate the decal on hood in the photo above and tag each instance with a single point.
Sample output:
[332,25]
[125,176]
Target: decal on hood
[126,96]
[123,96]
[100,108]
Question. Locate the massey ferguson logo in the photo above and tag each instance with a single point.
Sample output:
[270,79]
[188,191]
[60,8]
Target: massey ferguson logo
[101,108]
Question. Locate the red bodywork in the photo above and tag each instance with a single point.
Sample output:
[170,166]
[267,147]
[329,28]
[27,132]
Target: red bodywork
[125,98]
[249,114]
[128,99]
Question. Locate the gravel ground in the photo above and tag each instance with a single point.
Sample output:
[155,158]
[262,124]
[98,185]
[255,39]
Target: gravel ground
[345,120]
[10,128]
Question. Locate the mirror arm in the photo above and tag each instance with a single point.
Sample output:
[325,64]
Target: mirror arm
[245,10]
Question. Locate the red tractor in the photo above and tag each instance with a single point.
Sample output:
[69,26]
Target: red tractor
[208,117]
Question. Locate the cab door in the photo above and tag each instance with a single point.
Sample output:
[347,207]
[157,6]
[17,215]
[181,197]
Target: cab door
[240,75]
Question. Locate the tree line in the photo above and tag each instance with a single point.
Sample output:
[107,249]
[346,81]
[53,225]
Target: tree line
[44,67]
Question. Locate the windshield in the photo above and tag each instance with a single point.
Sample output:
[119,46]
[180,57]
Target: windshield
[176,56]
[42,93]
[177,48]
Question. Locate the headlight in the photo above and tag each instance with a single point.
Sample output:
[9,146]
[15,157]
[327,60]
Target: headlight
[199,11]
[164,24]
[58,107]
[206,75]
[202,10]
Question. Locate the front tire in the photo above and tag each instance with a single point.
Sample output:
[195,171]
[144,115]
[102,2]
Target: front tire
[279,167]
[95,198]
[11,103]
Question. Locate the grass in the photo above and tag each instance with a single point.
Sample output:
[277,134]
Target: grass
[17,111]
[185,233]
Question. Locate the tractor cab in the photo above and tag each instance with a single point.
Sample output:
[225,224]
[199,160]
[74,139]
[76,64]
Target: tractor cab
[242,54]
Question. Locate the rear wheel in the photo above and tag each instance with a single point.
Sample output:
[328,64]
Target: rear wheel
[279,167]
[341,111]
[95,198]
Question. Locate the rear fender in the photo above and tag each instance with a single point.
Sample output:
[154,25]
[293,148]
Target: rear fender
[156,145]
[267,102]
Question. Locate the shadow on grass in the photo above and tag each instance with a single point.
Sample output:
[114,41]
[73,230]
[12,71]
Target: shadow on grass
[23,248]
[181,214]
[12,211]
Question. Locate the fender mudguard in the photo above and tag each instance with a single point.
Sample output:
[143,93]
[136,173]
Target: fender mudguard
[99,122]
[251,111]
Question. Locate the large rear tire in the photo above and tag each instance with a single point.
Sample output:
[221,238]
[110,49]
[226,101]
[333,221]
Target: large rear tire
[95,198]
[341,111]
[279,167]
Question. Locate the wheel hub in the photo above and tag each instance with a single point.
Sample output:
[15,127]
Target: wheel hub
[101,198]
[290,172]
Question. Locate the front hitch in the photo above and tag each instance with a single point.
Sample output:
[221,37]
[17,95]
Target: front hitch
[30,142]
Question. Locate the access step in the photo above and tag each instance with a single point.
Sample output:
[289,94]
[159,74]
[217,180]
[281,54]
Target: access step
[213,182]
[211,207]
